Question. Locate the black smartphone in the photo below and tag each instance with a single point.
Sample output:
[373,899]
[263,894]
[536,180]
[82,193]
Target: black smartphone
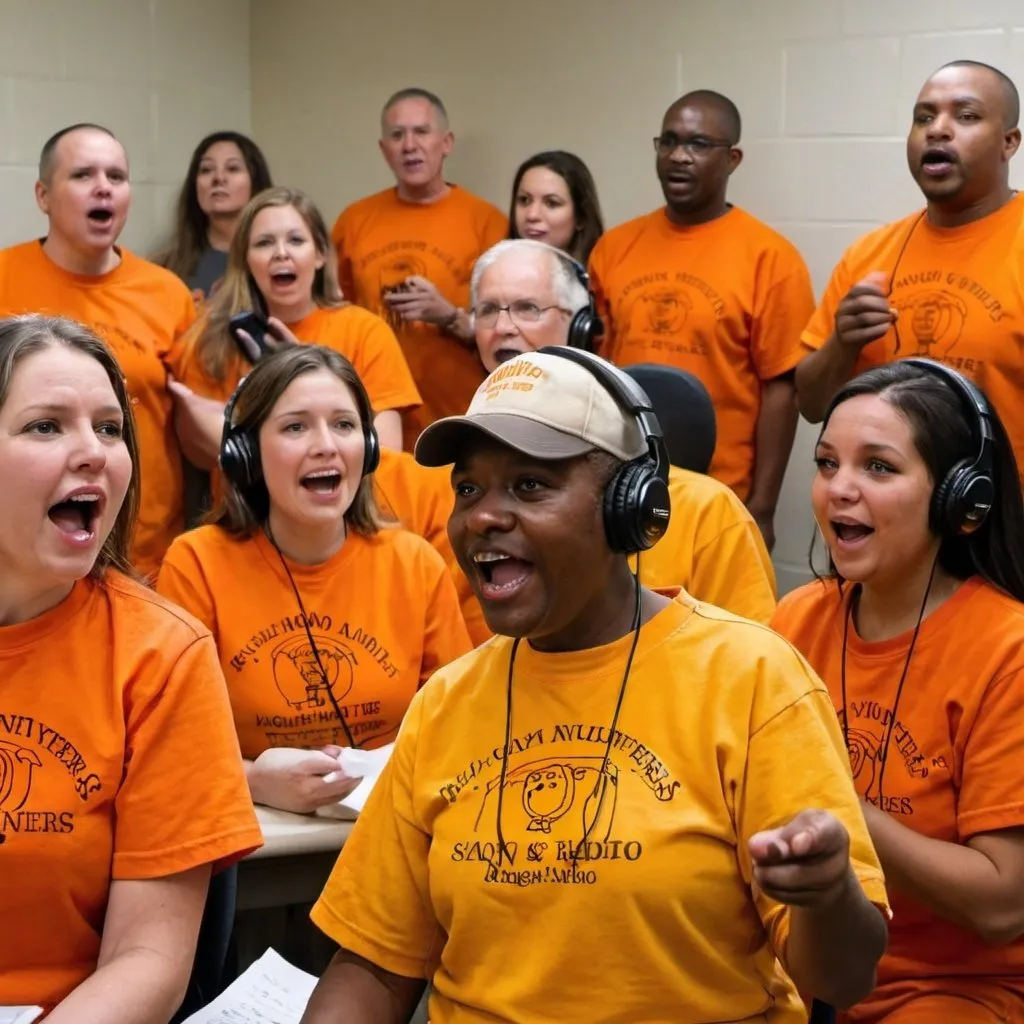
[256,327]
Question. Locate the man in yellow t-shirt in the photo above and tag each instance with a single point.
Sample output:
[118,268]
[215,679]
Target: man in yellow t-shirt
[625,806]
[713,547]
[406,254]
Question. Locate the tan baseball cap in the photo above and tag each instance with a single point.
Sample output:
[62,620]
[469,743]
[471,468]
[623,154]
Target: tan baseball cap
[542,405]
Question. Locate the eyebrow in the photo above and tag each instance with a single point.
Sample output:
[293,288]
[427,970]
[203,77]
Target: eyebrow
[54,407]
[958,101]
[307,412]
[873,447]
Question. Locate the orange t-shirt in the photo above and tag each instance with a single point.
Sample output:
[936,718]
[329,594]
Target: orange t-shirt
[362,338]
[140,310]
[421,499]
[117,761]
[383,614]
[953,766]
[960,297]
[724,300]
[713,549]
[381,240]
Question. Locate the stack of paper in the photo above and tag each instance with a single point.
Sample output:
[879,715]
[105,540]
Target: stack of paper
[20,1014]
[271,991]
[363,764]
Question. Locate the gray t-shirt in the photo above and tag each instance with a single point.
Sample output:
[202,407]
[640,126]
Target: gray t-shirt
[209,270]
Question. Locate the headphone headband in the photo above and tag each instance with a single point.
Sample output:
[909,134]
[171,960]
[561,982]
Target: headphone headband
[637,505]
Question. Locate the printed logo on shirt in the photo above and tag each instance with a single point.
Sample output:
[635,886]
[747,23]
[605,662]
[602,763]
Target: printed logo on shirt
[868,727]
[935,319]
[309,718]
[557,808]
[30,750]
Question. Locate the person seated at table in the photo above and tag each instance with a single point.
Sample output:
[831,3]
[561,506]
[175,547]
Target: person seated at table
[527,294]
[918,632]
[281,265]
[624,785]
[326,622]
[121,784]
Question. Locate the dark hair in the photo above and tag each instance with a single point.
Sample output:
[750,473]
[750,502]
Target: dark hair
[416,93]
[46,155]
[1011,98]
[582,191]
[945,434]
[23,336]
[721,105]
[243,513]
[190,222]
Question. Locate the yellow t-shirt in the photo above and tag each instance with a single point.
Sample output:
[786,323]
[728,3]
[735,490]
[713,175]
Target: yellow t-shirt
[712,548]
[724,731]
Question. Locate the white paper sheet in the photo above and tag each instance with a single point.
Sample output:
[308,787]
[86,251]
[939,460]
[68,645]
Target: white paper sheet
[20,1014]
[366,765]
[271,991]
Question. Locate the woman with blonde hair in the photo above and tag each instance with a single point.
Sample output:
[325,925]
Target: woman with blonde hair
[281,267]
[121,784]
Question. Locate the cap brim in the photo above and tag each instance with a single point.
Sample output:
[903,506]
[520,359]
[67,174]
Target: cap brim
[443,441]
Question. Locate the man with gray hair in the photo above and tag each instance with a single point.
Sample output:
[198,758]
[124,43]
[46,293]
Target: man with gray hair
[524,296]
[406,254]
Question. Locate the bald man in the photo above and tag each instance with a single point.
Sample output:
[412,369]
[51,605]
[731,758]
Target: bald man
[946,281]
[703,286]
[406,254]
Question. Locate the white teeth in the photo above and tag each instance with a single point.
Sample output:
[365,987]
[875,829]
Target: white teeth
[85,497]
[322,473]
[490,556]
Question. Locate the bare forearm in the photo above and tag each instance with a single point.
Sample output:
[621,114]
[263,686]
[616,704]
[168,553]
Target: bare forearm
[833,951]
[776,428]
[461,328]
[138,987]
[821,374]
[352,991]
[955,882]
[200,440]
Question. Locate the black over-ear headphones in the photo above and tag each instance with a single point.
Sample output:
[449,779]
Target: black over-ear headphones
[636,501]
[963,499]
[240,446]
[586,325]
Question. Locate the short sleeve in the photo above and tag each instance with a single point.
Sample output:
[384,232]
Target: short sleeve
[446,637]
[788,303]
[376,902]
[992,785]
[181,580]
[823,322]
[733,570]
[383,369]
[796,762]
[184,800]
[495,228]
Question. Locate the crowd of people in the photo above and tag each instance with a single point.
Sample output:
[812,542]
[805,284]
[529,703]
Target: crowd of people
[280,491]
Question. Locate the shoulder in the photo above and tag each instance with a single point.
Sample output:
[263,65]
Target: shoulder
[352,319]
[697,494]
[472,202]
[367,206]
[815,602]
[865,248]
[472,674]
[994,611]
[160,622]
[622,236]
[761,235]
[206,543]
[20,251]
[402,548]
[155,277]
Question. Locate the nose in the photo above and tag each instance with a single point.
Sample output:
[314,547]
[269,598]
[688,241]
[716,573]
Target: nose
[321,439]
[505,325]
[490,513]
[88,453]
[533,212]
[842,486]
[103,185]
[219,175]
[280,248]
[940,128]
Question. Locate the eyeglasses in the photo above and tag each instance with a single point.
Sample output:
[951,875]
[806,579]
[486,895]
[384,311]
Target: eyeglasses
[522,311]
[697,146]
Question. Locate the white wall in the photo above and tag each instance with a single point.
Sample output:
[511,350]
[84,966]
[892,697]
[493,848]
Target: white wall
[825,88]
[159,73]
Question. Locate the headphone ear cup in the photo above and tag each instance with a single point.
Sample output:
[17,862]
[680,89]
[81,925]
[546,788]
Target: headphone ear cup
[962,501]
[240,461]
[636,507]
[371,450]
[580,330]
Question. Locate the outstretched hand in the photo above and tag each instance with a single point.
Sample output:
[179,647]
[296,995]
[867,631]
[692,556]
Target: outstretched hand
[277,337]
[805,863]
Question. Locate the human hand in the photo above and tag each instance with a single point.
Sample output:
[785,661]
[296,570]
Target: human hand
[298,780]
[805,863]
[420,300]
[278,336]
[864,315]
